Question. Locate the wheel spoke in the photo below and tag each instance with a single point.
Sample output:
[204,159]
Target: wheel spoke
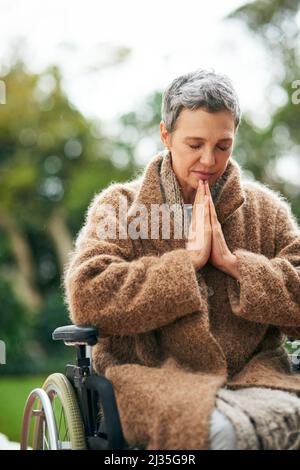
[45,440]
[60,417]
[47,444]
[62,427]
[66,428]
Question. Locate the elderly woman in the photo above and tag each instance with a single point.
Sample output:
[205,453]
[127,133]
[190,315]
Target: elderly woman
[193,307]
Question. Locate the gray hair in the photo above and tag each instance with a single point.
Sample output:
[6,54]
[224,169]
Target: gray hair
[199,89]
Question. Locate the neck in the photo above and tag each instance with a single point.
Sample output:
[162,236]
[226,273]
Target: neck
[188,194]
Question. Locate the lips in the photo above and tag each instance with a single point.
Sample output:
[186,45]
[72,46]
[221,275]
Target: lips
[202,175]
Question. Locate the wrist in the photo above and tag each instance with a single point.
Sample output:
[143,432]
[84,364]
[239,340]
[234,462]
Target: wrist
[197,261]
[231,267]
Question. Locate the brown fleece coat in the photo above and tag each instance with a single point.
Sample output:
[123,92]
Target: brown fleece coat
[170,337]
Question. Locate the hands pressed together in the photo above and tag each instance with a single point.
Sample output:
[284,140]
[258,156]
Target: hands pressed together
[206,240]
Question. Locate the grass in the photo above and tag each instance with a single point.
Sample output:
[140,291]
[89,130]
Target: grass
[13,395]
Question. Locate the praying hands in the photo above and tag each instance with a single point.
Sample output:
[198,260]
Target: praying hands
[206,241]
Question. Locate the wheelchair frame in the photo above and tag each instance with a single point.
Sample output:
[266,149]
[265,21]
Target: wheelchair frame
[90,390]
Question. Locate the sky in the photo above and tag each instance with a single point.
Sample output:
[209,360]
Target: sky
[166,39]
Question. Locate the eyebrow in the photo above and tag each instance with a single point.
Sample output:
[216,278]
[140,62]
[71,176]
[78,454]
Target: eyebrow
[201,138]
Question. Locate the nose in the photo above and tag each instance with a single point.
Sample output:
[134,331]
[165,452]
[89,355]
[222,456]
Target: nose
[207,158]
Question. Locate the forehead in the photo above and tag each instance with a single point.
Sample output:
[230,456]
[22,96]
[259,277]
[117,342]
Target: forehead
[203,124]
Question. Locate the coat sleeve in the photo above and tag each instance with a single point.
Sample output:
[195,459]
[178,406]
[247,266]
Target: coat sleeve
[269,289]
[105,286]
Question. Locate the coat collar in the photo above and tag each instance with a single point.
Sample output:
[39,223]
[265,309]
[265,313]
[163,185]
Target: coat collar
[151,191]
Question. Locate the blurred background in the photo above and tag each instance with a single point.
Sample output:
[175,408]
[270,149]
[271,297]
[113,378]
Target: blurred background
[80,98]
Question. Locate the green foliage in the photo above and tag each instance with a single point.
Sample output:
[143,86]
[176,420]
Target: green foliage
[260,149]
[45,145]
[50,156]
[14,331]
[52,315]
[260,13]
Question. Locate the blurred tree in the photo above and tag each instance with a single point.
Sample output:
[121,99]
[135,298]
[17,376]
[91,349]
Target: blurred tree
[14,331]
[139,130]
[52,161]
[272,153]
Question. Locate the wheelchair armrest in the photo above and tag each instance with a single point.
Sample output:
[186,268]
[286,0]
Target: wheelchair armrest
[76,334]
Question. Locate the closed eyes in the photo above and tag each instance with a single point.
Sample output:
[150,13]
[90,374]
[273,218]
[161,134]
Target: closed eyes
[223,149]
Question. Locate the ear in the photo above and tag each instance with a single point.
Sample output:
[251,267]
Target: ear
[164,135]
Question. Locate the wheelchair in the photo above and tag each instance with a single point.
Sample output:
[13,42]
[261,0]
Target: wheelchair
[78,410]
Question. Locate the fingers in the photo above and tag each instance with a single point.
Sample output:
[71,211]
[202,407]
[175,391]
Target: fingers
[208,194]
[199,198]
[199,211]
[207,188]
[207,211]
[200,229]
[195,236]
[213,214]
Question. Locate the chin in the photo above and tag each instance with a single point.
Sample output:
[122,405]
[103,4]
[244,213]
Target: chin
[213,181]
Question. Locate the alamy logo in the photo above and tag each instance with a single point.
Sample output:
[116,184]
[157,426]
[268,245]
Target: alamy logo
[2,92]
[140,221]
[2,353]
[296,94]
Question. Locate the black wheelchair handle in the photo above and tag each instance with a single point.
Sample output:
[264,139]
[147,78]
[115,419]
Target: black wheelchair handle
[76,334]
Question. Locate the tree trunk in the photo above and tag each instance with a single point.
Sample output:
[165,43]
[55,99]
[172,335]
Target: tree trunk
[61,236]
[24,283]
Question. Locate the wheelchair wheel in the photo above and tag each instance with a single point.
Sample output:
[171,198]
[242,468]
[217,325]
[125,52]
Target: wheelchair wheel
[69,425]
[58,422]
